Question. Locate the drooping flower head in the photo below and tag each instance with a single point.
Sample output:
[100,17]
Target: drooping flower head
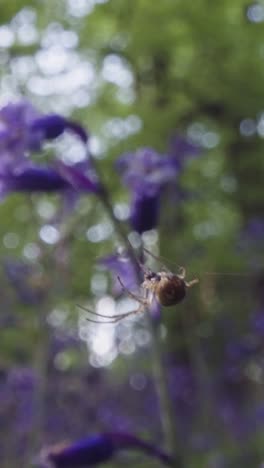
[146,173]
[39,178]
[100,448]
[16,136]
[30,284]
[23,129]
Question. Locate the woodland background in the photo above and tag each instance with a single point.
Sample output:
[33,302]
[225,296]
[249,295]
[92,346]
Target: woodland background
[136,74]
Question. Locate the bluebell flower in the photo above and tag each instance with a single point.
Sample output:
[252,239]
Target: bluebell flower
[147,173]
[255,229]
[51,126]
[100,448]
[40,178]
[251,239]
[144,212]
[85,452]
[16,136]
[24,129]
[30,284]
[33,179]
[257,322]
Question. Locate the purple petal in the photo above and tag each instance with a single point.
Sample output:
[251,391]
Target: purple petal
[23,129]
[53,125]
[78,179]
[144,212]
[100,448]
[86,452]
[48,179]
[146,171]
[33,179]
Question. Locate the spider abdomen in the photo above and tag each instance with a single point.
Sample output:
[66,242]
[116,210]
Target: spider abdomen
[171,291]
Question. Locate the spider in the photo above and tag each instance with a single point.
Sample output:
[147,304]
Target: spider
[166,287]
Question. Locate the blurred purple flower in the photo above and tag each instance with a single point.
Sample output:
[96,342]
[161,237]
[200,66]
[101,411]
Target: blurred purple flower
[255,229]
[257,322]
[30,284]
[121,266]
[147,173]
[89,451]
[49,127]
[184,393]
[100,448]
[24,129]
[21,379]
[251,240]
[144,212]
[16,137]
[21,385]
[32,179]
[239,351]
[37,178]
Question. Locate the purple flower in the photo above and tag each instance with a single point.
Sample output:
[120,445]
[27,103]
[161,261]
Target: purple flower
[252,238]
[51,126]
[33,179]
[257,322]
[24,129]
[22,379]
[146,171]
[121,266]
[144,212]
[30,284]
[100,448]
[16,136]
[255,229]
[89,451]
[37,178]
[241,350]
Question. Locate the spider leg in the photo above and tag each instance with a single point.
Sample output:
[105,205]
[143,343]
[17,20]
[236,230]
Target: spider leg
[141,300]
[182,272]
[97,314]
[117,318]
[189,284]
